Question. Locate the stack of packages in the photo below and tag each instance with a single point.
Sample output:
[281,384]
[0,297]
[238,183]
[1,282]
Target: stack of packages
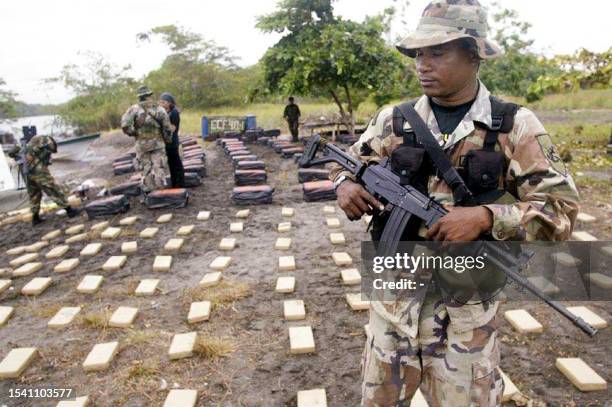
[167,199]
[194,162]
[124,164]
[252,136]
[130,188]
[319,191]
[291,150]
[252,195]
[108,206]
[312,174]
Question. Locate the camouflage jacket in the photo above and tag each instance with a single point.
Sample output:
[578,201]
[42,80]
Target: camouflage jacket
[149,124]
[547,203]
[36,153]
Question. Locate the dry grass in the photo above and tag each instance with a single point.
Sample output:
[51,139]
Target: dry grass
[143,370]
[226,292]
[42,310]
[137,337]
[212,347]
[96,319]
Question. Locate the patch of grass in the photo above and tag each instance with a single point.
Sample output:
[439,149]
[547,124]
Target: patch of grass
[96,319]
[42,310]
[583,99]
[142,370]
[226,292]
[137,337]
[213,347]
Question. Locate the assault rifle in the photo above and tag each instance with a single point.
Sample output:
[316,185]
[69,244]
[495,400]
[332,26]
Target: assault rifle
[407,202]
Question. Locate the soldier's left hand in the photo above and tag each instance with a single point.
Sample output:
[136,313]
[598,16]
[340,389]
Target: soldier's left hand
[461,224]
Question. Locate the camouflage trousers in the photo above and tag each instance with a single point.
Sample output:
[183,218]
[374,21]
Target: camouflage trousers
[43,181]
[152,164]
[451,369]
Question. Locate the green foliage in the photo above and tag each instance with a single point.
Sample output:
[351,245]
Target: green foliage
[102,93]
[7,101]
[327,55]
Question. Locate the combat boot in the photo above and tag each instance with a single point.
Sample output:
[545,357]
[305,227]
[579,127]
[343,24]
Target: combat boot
[36,219]
[72,212]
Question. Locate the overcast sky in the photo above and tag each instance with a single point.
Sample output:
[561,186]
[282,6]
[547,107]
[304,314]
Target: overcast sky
[39,37]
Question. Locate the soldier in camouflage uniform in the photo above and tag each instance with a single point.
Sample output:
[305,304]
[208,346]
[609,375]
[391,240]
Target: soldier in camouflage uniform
[36,161]
[150,125]
[450,350]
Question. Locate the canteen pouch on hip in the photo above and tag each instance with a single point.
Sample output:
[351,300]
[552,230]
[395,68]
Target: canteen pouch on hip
[482,170]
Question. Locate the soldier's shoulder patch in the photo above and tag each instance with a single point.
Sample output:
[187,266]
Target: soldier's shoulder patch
[551,153]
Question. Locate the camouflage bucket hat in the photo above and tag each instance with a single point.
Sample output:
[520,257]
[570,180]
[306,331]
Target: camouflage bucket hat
[143,91]
[448,20]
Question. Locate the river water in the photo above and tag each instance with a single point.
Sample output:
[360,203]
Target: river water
[50,125]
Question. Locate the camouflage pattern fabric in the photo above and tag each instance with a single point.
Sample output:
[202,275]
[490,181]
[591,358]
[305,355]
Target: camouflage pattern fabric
[448,20]
[451,368]
[42,181]
[150,125]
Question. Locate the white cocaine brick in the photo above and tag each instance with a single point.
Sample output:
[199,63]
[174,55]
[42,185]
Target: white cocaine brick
[27,269]
[146,286]
[182,345]
[23,259]
[284,227]
[236,227]
[210,279]
[91,249]
[63,317]
[585,218]
[165,218]
[129,247]
[100,356]
[342,259]
[544,285]
[203,215]
[198,312]
[100,226]
[294,310]
[301,339]
[607,250]
[123,317]
[4,284]
[128,221]
[185,230]
[82,401]
[510,388]
[282,243]
[243,214]
[110,233]
[17,360]
[286,263]
[329,209]
[337,238]
[523,321]
[5,314]
[148,233]
[90,284]
[600,280]
[77,238]
[312,398]
[565,259]
[220,263]
[114,263]
[73,230]
[580,374]
[285,284]
[52,235]
[181,398]
[418,400]
[16,250]
[36,286]
[162,263]
[287,212]
[66,265]
[333,223]
[583,236]
[589,316]
[174,245]
[227,243]
[350,276]
[356,303]
[36,247]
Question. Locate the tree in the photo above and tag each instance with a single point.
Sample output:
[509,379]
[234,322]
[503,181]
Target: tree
[7,101]
[102,93]
[324,55]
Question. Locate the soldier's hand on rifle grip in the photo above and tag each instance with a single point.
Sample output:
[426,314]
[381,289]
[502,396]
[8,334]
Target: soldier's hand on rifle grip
[461,224]
[355,201]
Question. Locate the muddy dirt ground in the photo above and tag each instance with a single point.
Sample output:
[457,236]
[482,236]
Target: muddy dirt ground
[247,319]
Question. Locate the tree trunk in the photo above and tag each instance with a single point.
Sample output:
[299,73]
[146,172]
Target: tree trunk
[344,117]
[351,118]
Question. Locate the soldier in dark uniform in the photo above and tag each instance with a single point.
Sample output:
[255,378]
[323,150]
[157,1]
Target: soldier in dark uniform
[177,172]
[292,115]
